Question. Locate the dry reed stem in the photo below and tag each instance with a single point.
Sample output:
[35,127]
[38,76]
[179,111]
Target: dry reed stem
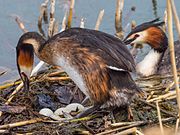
[161,97]
[55,28]
[169,98]
[70,14]
[159,118]
[169,86]
[118,18]
[43,14]
[20,24]
[127,131]
[9,85]
[139,133]
[57,78]
[177,125]
[154,106]
[120,124]
[82,23]
[134,124]
[150,95]
[176,18]
[52,19]
[4,131]
[99,19]
[55,73]
[63,26]
[21,123]
[165,21]
[172,54]
[138,123]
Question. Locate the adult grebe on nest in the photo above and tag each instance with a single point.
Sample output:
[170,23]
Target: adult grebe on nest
[157,61]
[97,62]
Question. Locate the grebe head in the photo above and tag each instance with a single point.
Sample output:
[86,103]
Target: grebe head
[27,44]
[149,33]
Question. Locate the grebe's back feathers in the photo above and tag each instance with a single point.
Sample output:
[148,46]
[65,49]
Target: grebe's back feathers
[165,66]
[110,48]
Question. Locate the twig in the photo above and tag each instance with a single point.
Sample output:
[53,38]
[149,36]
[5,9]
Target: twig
[43,14]
[9,85]
[118,18]
[169,86]
[138,123]
[162,110]
[172,54]
[21,123]
[20,24]
[128,131]
[165,21]
[150,95]
[55,73]
[139,133]
[63,26]
[159,118]
[99,19]
[87,127]
[4,131]
[55,28]
[57,78]
[162,96]
[177,125]
[70,14]
[120,124]
[82,23]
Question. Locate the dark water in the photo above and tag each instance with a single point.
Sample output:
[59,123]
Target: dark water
[28,11]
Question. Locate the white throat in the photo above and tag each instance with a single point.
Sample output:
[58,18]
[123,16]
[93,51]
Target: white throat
[148,66]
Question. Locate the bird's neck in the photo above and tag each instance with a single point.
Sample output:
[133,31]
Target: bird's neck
[149,65]
[37,43]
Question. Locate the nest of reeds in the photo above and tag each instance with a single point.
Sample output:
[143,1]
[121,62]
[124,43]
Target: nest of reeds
[53,89]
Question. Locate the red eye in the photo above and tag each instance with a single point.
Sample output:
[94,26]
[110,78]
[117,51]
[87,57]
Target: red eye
[137,35]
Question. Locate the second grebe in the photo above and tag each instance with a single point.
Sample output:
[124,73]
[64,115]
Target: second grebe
[157,61]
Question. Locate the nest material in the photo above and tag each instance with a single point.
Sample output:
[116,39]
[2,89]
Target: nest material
[54,94]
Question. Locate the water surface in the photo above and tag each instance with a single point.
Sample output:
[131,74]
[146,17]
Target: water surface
[28,11]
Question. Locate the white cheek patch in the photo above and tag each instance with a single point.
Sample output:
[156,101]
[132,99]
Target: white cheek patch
[26,70]
[31,41]
[141,39]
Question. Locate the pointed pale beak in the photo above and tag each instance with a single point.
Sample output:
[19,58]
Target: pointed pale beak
[25,59]
[128,41]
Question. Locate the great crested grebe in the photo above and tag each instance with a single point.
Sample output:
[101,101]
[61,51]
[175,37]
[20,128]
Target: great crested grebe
[157,61]
[97,62]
